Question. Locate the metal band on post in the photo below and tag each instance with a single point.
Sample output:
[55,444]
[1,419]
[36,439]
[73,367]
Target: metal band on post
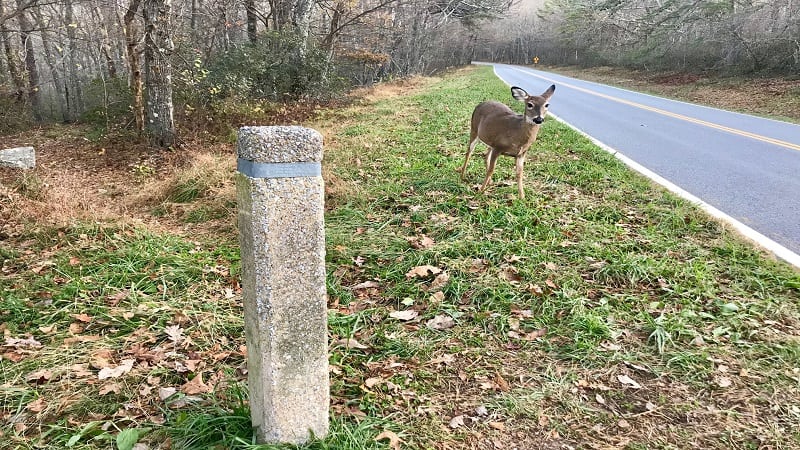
[278,170]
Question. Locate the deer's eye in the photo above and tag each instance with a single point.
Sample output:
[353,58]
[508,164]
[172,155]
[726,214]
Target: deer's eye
[547,105]
[530,105]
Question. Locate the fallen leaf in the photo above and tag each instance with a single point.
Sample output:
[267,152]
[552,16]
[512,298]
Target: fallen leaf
[349,343]
[628,381]
[444,359]
[359,261]
[600,399]
[48,330]
[175,333]
[73,261]
[14,356]
[481,411]
[371,382]
[166,392]
[405,315]
[80,371]
[29,342]
[124,367]
[535,289]
[440,281]
[394,439]
[82,317]
[40,376]
[523,313]
[114,299]
[502,384]
[536,334]
[436,297]
[101,359]
[441,322]
[37,405]
[457,422]
[196,386]
[610,346]
[543,420]
[366,285]
[109,388]
[421,242]
[478,265]
[723,382]
[423,271]
[623,423]
[500,426]
[511,275]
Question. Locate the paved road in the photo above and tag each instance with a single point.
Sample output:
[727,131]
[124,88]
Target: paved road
[745,166]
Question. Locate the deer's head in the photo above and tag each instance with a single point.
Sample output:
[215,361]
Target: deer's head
[535,105]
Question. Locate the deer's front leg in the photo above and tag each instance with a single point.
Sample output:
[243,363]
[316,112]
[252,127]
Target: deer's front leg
[519,166]
[491,160]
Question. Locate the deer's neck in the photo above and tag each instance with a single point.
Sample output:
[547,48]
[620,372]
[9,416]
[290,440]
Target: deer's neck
[529,128]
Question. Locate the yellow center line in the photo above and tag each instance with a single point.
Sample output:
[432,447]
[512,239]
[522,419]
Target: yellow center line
[759,137]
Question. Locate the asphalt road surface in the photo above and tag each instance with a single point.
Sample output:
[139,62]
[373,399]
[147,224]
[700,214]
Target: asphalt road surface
[745,166]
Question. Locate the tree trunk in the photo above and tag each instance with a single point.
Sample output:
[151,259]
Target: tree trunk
[34,90]
[252,20]
[158,48]
[74,90]
[301,19]
[134,64]
[17,76]
[52,63]
[105,43]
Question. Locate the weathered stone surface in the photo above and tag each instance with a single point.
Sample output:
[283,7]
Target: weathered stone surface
[20,158]
[282,239]
[279,144]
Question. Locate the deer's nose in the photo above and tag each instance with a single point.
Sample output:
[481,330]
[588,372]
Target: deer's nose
[538,120]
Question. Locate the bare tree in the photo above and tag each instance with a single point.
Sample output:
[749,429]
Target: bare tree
[26,38]
[158,48]
[132,38]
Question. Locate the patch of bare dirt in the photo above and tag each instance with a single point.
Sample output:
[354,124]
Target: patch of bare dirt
[397,88]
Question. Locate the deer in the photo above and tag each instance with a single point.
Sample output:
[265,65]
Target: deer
[506,132]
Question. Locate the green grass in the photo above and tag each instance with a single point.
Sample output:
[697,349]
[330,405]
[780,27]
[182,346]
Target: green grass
[597,275]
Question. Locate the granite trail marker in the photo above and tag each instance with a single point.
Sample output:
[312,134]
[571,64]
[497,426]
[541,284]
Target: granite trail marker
[280,198]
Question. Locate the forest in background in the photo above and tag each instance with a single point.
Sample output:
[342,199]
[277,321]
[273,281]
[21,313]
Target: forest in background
[140,65]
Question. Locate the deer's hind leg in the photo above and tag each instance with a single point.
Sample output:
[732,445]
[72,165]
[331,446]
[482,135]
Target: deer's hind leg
[473,141]
[491,160]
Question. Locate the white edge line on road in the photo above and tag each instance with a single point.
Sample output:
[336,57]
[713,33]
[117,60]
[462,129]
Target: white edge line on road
[775,248]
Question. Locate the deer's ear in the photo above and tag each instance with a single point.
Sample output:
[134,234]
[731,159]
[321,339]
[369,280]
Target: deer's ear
[549,92]
[519,93]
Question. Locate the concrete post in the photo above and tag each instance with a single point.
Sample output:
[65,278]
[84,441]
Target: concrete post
[20,158]
[282,237]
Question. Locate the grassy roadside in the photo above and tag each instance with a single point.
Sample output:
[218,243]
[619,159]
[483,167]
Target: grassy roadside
[599,312]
